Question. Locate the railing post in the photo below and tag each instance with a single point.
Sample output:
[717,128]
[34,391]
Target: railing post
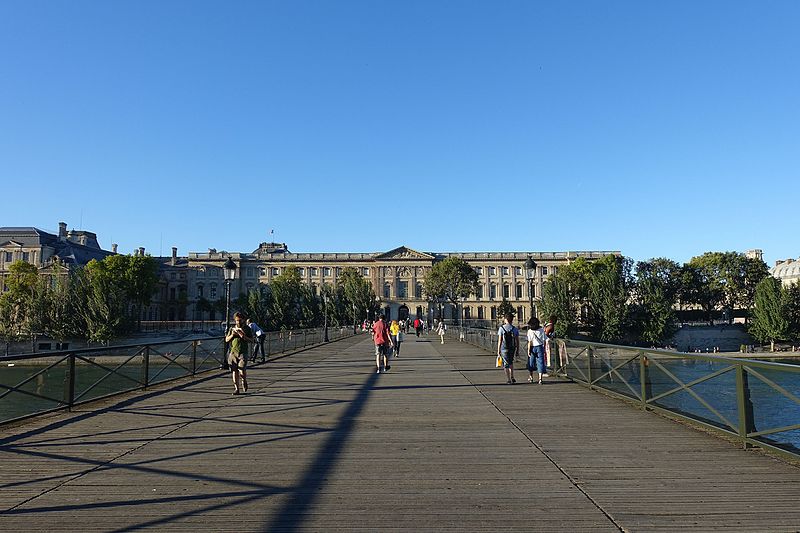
[283,336]
[71,382]
[194,357]
[305,335]
[745,405]
[268,345]
[145,366]
[644,378]
[589,365]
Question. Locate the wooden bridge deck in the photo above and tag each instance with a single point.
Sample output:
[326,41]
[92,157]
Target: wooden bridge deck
[322,443]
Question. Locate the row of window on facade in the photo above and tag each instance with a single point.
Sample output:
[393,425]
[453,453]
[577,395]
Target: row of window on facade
[506,271]
[8,257]
[402,291]
[250,272]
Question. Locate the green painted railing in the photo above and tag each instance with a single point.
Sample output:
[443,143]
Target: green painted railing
[38,383]
[755,402]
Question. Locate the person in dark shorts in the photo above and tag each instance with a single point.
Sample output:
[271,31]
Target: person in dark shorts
[507,346]
[238,337]
[383,344]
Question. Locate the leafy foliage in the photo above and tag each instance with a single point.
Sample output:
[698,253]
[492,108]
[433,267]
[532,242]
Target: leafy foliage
[451,279]
[771,312]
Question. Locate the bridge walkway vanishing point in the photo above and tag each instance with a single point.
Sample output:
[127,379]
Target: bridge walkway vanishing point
[321,442]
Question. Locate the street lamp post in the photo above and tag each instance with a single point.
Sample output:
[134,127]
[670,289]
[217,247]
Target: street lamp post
[530,274]
[354,318]
[229,272]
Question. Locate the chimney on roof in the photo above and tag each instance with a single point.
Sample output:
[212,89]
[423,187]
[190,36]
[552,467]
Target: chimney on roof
[62,230]
[212,250]
[174,256]
[114,248]
[779,262]
[141,251]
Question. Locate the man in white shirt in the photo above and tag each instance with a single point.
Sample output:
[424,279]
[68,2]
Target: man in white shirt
[258,333]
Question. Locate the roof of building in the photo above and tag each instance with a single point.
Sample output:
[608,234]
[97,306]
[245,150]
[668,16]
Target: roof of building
[26,236]
[78,254]
[787,269]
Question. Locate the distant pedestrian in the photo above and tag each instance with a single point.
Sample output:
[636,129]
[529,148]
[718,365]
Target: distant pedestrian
[507,347]
[238,336]
[418,326]
[394,332]
[441,330]
[259,335]
[536,342]
[550,345]
[383,344]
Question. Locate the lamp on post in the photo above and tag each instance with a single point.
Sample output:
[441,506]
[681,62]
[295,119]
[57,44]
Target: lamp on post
[530,274]
[229,272]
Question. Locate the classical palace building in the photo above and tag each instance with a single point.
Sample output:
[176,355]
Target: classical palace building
[396,276]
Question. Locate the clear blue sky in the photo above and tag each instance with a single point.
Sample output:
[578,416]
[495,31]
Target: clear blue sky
[653,128]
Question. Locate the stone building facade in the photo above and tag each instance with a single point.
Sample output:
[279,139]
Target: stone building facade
[43,249]
[396,276]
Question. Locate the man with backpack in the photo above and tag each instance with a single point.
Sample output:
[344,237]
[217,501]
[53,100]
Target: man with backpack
[418,326]
[507,347]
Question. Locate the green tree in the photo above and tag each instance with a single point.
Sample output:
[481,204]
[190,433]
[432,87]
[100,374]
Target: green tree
[559,300]
[137,276]
[23,302]
[505,308]
[771,312]
[451,279]
[656,288]
[286,310]
[609,292]
[104,302]
[258,304]
[793,309]
[63,301]
[358,293]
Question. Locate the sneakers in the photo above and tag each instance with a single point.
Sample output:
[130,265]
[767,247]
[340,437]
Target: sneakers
[388,367]
[545,375]
[378,371]
[235,392]
[513,381]
[508,382]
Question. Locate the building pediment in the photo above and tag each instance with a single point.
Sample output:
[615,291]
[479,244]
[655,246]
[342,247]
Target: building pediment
[404,253]
[11,244]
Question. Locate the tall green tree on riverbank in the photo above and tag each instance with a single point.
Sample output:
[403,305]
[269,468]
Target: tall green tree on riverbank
[609,291]
[771,312]
[655,293]
[559,300]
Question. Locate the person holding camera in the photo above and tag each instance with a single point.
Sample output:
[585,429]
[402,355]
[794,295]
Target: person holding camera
[238,338]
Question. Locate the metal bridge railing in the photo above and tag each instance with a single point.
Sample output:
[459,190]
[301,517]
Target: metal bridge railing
[38,383]
[755,402]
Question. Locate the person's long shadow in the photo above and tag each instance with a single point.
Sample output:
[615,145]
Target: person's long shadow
[292,513]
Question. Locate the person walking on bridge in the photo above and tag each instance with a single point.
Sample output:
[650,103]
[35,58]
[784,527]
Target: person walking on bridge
[536,343]
[383,344]
[258,333]
[507,347]
[238,337]
[395,334]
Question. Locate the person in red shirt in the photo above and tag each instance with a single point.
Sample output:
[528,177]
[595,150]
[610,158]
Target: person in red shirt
[383,344]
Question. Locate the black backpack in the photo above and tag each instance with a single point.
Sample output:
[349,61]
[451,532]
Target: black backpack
[508,339]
